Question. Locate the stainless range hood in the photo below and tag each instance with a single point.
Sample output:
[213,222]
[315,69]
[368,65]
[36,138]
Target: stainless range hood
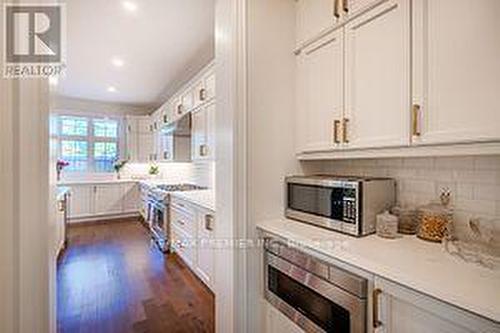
[176,140]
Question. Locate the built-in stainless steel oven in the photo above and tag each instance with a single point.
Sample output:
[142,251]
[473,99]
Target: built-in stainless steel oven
[345,204]
[158,222]
[317,296]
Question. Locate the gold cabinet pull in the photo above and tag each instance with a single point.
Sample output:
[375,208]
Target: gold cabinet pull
[209,222]
[345,122]
[415,120]
[336,124]
[336,8]
[202,95]
[375,315]
[345,5]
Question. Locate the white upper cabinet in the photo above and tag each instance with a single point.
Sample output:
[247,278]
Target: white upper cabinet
[352,8]
[203,133]
[456,70]
[314,17]
[209,80]
[377,79]
[320,93]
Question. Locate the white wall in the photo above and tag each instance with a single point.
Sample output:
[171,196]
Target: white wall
[271,129]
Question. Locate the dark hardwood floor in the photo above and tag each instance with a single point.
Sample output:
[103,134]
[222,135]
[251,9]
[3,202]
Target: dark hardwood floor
[111,279]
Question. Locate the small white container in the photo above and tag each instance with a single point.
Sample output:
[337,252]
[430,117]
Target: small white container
[387,225]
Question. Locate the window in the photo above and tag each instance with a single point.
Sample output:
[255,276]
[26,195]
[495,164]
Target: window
[88,144]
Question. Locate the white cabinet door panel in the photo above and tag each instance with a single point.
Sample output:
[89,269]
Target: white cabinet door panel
[403,310]
[319,92]
[378,77]
[209,81]
[457,70]
[199,133]
[108,199]
[81,201]
[131,198]
[205,256]
[313,17]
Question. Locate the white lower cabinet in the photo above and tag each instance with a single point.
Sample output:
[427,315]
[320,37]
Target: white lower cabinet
[131,198]
[89,202]
[402,310]
[108,199]
[81,201]
[192,234]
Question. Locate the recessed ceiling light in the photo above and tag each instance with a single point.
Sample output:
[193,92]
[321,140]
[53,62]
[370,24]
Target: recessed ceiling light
[117,62]
[130,6]
[111,89]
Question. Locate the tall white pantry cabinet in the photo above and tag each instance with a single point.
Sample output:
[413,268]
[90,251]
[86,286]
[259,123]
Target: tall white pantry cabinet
[396,73]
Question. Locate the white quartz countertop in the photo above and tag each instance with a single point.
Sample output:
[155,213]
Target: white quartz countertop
[422,266]
[97,182]
[202,198]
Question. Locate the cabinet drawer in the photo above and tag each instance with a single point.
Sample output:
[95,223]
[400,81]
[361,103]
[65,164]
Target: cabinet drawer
[183,220]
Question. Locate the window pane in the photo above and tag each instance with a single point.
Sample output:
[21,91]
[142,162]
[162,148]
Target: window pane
[74,126]
[76,153]
[105,128]
[105,154]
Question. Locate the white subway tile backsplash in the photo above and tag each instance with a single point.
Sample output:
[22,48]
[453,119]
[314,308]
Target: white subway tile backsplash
[487,163]
[455,163]
[465,191]
[419,163]
[487,192]
[473,181]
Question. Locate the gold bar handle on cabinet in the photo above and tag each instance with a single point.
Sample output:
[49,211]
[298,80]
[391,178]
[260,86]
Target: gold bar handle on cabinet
[415,120]
[345,6]
[345,122]
[203,94]
[375,315]
[336,124]
[336,8]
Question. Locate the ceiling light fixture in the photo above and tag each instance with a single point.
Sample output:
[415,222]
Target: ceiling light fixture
[130,6]
[117,62]
[111,89]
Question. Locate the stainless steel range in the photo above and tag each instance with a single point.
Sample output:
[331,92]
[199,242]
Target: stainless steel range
[158,215]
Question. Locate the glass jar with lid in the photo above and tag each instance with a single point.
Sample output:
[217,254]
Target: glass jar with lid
[435,219]
[387,225]
[408,221]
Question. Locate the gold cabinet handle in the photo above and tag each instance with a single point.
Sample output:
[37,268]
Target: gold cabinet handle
[345,122]
[376,322]
[336,124]
[345,5]
[203,95]
[336,8]
[415,120]
[209,220]
[179,108]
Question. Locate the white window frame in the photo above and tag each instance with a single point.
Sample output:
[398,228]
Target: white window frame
[89,138]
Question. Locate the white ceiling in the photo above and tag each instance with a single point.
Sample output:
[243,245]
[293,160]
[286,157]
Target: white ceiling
[162,43]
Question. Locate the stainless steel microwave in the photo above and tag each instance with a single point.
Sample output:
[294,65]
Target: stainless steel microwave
[345,204]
